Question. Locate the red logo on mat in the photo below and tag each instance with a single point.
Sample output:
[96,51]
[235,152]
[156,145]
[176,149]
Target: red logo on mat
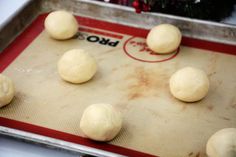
[137,49]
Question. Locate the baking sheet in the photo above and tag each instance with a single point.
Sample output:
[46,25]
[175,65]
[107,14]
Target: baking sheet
[154,121]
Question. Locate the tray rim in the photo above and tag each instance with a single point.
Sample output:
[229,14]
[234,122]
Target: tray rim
[39,20]
[53,143]
[96,2]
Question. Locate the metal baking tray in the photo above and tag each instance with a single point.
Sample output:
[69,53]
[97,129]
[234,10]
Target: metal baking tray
[54,144]
[198,29]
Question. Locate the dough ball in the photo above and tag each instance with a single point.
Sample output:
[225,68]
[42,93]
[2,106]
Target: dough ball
[101,122]
[222,143]
[164,38]
[76,66]
[6,90]
[189,84]
[61,25]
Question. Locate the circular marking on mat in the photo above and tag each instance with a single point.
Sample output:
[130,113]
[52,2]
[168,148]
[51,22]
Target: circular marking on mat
[137,49]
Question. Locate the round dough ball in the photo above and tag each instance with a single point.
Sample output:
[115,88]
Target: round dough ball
[77,66]
[222,143]
[189,84]
[61,25]
[6,90]
[101,122]
[164,38]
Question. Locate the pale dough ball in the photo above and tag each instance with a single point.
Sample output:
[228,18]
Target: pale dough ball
[101,122]
[222,143]
[61,25]
[76,66]
[164,38]
[189,84]
[6,90]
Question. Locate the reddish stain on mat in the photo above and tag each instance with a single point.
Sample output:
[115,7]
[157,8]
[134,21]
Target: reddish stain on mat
[144,82]
[210,107]
[233,106]
[224,118]
[211,74]
[134,96]
[190,154]
[198,154]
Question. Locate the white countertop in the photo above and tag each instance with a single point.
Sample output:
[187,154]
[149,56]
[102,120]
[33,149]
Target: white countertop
[9,7]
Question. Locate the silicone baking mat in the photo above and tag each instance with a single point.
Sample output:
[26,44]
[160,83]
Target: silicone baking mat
[131,78]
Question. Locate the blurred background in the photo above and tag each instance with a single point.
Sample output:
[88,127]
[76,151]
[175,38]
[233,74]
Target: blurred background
[211,10]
